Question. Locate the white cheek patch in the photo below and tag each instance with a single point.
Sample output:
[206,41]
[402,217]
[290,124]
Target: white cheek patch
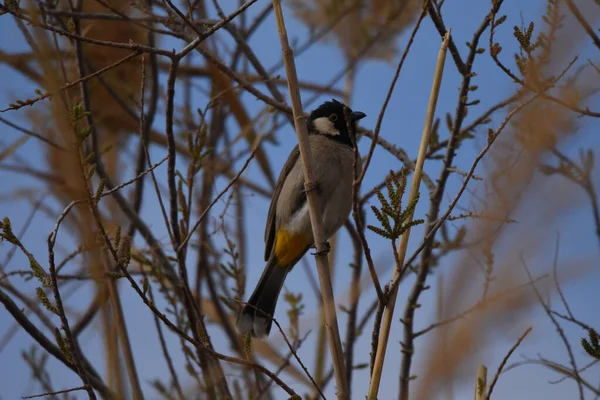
[324,125]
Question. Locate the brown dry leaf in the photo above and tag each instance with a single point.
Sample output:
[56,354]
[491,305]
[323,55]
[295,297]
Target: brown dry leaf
[361,21]
[123,80]
[224,85]
[111,121]
[55,120]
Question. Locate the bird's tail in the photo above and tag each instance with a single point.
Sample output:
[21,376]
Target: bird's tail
[256,316]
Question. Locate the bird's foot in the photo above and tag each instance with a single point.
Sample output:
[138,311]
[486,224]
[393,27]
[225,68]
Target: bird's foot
[309,187]
[325,250]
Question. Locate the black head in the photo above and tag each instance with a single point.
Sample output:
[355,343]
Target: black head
[328,119]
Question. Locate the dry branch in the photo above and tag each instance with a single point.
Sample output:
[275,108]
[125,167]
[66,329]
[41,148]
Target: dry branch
[504,361]
[333,334]
[414,191]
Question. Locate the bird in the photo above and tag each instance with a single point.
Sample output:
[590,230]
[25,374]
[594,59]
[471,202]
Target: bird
[288,231]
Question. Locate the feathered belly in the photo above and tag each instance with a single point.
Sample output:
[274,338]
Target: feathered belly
[337,208]
[333,167]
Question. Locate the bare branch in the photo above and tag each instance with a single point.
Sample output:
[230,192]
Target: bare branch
[504,361]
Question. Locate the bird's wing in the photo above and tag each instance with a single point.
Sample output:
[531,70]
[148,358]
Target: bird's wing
[270,229]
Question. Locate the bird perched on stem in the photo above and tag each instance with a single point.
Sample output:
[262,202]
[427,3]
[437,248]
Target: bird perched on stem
[288,233]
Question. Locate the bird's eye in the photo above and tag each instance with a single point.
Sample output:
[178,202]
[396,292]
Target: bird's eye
[333,117]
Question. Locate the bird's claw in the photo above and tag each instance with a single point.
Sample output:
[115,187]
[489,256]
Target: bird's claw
[314,186]
[325,250]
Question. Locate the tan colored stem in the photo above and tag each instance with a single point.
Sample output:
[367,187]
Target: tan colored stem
[333,334]
[414,190]
[320,357]
[481,383]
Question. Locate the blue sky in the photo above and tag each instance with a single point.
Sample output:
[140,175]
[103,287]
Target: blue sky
[402,126]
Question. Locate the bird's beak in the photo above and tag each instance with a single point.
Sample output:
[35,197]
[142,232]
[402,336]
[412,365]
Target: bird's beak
[356,115]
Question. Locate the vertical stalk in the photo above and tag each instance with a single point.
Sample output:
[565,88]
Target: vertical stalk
[414,190]
[333,334]
[481,383]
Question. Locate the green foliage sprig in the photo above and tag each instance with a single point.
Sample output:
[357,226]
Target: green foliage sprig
[393,219]
[592,347]
[7,234]
[234,270]
[63,345]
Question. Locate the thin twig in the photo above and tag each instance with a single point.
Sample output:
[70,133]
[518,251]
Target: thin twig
[48,345]
[436,18]
[78,38]
[561,369]
[213,371]
[166,354]
[586,26]
[71,84]
[542,91]
[489,300]
[145,127]
[33,134]
[229,185]
[504,361]
[294,353]
[55,393]
[560,331]
[119,319]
